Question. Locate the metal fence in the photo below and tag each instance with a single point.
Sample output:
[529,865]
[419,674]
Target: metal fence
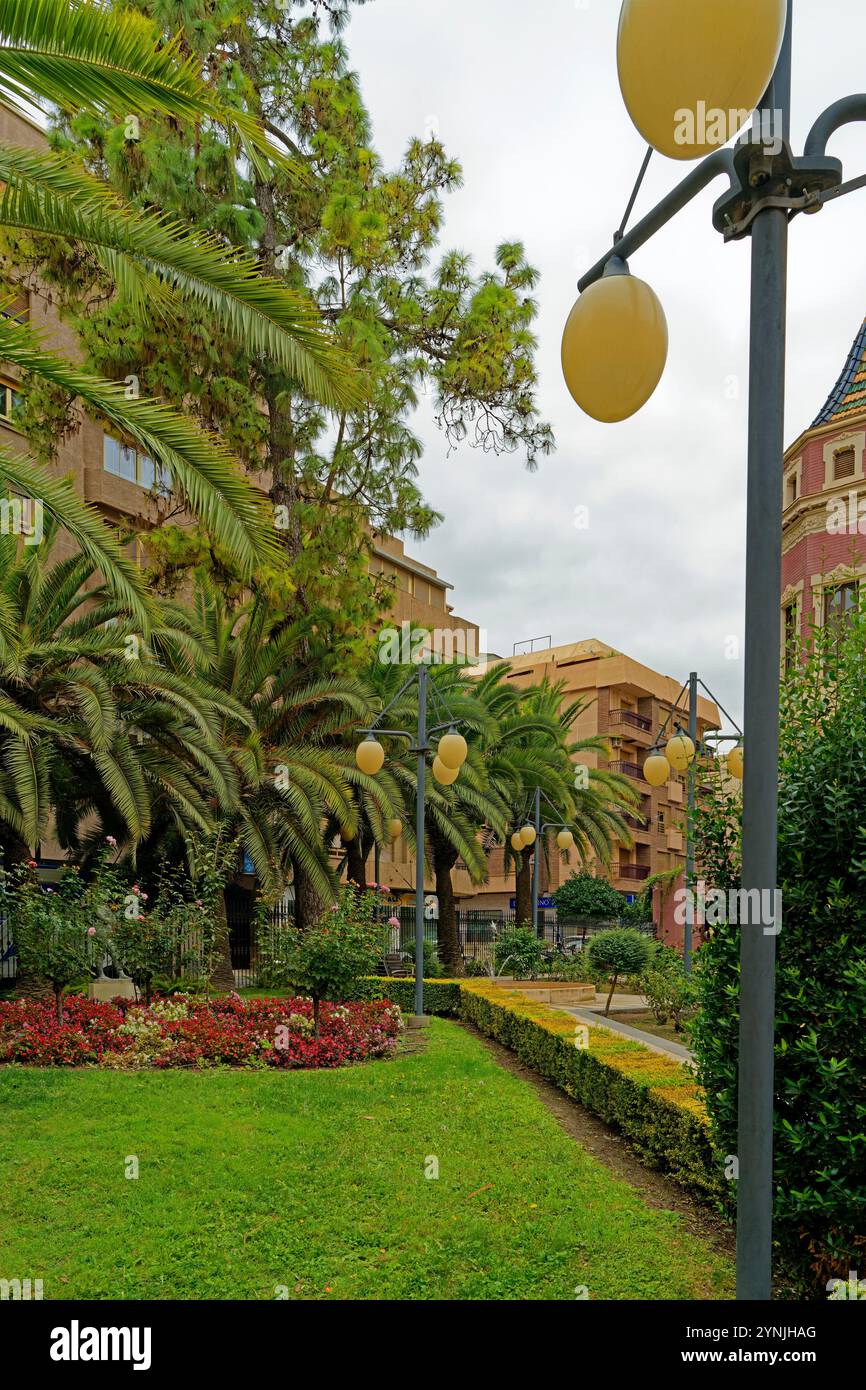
[478,931]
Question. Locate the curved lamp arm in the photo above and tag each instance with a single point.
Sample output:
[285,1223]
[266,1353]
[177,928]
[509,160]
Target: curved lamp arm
[841,113]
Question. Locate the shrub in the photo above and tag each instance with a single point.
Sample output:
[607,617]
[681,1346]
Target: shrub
[520,948]
[441,997]
[326,961]
[820,1052]
[584,895]
[622,951]
[668,990]
[433,967]
[60,931]
[163,944]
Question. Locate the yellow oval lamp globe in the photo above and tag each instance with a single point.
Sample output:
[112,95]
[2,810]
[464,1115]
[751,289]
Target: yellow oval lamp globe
[691,72]
[734,763]
[370,756]
[565,839]
[528,835]
[453,749]
[395,828]
[444,775]
[517,842]
[614,347]
[657,770]
[680,752]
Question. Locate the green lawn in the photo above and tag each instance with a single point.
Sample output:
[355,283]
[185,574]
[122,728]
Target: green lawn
[315,1181]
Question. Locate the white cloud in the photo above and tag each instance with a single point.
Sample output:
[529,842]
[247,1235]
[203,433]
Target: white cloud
[526,97]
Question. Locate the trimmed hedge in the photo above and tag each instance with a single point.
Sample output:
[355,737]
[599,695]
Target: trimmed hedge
[653,1100]
[441,997]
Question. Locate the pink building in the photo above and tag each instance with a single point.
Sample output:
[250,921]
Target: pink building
[824,507]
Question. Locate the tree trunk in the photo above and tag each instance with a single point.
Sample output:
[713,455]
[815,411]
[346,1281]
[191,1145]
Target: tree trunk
[444,859]
[610,996]
[222,976]
[523,891]
[58,1003]
[317,1004]
[356,862]
[309,906]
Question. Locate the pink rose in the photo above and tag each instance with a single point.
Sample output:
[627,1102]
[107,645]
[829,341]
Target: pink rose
[110,840]
[393,921]
[91,931]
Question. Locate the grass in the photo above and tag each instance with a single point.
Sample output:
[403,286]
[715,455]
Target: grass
[314,1183]
[643,1019]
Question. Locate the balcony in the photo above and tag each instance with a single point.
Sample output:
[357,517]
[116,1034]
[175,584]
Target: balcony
[634,721]
[638,872]
[627,769]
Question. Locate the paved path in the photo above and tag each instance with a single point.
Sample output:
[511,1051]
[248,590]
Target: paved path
[669,1049]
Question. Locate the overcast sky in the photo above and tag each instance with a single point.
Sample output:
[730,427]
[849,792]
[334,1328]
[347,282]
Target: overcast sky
[526,97]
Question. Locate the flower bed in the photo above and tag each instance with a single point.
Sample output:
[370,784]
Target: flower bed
[184,1032]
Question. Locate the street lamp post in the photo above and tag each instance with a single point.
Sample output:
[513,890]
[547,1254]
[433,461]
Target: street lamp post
[681,757]
[768,187]
[451,754]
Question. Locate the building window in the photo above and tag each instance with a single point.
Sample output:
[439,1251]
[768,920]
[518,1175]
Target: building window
[661,824]
[790,632]
[11,400]
[791,489]
[842,604]
[125,461]
[844,465]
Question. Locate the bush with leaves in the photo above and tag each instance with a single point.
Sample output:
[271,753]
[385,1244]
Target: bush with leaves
[327,960]
[820,1050]
[621,951]
[584,895]
[521,950]
[670,993]
[59,930]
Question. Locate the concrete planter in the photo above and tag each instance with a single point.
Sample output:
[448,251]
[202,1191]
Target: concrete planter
[567,992]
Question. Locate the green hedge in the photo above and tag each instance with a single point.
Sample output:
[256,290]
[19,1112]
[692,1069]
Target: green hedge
[651,1099]
[441,997]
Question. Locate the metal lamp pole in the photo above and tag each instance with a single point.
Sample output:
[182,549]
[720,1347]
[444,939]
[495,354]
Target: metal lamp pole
[768,186]
[421,749]
[537,848]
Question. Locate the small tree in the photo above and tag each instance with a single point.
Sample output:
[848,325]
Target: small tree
[583,895]
[58,930]
[622,951]
[326,961]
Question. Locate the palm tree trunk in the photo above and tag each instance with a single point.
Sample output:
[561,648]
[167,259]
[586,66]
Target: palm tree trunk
[444,859]
[222,976]
[356,862]
[309,906]
[523,891]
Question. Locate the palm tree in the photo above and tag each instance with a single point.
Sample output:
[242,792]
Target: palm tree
[536,741]
[84,56]
[279,736]
[91,726]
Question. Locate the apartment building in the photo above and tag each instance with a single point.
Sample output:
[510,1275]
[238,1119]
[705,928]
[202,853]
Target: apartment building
[626,703]
[824,508]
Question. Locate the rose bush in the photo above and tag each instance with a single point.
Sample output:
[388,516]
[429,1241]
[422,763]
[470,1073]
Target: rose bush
[185,1032]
